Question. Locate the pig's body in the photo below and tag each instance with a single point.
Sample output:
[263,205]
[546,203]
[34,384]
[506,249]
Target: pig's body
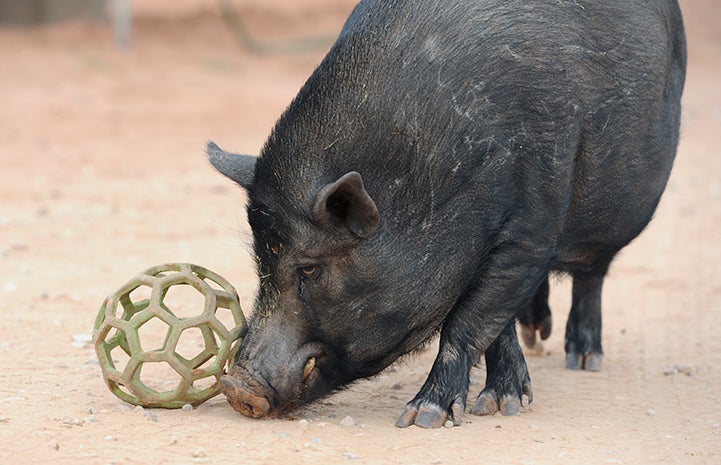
[439,163]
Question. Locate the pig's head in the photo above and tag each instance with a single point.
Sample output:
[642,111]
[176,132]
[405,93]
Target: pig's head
[321,319]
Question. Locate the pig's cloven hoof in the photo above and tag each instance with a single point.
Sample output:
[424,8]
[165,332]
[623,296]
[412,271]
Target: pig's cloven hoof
[528,331]
[588,362]
[490,402]
[427,415]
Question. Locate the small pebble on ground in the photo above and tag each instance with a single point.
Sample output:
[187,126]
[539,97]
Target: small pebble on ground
[347,421]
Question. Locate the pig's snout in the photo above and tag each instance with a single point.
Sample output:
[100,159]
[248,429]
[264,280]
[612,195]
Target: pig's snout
[258,391]
[242,399]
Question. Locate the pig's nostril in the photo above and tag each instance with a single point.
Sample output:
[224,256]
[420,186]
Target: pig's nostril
[249,408]
[307,370]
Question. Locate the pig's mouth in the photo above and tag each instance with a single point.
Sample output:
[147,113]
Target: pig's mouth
[255,396]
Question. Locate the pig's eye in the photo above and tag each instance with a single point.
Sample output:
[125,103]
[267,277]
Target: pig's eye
[309,271]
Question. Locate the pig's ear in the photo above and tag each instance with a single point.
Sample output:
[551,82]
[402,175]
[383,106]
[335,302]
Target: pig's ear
[347,202]
[239,168]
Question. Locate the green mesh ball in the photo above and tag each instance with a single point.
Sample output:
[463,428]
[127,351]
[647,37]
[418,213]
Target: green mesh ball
[164,338]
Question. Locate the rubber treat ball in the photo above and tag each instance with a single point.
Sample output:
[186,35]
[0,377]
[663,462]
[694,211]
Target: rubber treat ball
[164,338]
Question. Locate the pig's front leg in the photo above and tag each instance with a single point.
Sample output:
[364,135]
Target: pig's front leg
[482,321]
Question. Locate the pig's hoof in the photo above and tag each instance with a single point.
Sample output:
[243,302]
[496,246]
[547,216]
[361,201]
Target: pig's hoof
[528,332]
[588,362]
[427,415]
[490,402]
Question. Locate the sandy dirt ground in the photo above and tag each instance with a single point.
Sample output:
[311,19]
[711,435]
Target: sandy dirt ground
[102,174]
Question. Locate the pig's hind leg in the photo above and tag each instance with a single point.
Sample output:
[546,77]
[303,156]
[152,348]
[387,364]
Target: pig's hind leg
[536,319]
[583,329]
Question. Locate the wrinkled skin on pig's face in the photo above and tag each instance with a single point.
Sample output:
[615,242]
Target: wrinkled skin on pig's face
[322,317]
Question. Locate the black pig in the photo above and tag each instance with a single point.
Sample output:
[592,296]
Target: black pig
[440,162]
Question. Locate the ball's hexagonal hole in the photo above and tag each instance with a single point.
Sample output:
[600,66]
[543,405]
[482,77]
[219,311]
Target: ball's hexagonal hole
[207,363]
[204,383]
[119,358]
[153,335]
[115,337]
[127,307]
[111,307]
[124,389]
[210,283]
[225,316]
[184,301]
[159,376]
[192,343]
[140,293]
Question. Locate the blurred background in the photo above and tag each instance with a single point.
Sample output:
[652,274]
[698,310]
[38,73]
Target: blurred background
[120,15]
[27,12]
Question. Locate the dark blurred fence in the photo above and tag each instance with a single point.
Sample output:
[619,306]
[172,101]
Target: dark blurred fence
[29,12]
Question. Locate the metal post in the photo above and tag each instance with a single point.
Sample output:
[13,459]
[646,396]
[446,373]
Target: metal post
[122,22]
